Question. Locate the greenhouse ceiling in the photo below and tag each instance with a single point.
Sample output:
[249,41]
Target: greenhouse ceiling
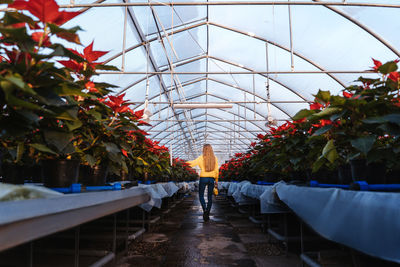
[265,59]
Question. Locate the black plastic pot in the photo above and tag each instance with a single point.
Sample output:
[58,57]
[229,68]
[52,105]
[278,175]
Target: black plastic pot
[33,173]
[376,173]
[60,173]
[344,174]
[12,173]
[96,175]
[325,176]
[393,177]
[358,169]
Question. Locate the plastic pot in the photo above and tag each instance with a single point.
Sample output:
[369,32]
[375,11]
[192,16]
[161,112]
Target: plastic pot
[96,175]
[376,173]
[344,174]
[60,173]
[393,176]
[358,169]
[12,173]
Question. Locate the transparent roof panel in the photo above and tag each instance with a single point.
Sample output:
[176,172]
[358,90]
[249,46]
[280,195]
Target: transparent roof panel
[221,53]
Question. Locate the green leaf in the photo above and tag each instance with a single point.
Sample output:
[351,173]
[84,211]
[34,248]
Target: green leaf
[326,112]
[323,130]
[43,148]
[95,114]
[393,118]
[17,80]
[374,120]
[112,148]
[106,67]
[13,101]
[323,95]
[337,100]
[69,91]
[90,160]
[114,157]
[364,144]
[124,167]
[28,115]
[142,161]
[73,125]
[6,2]
[20,151]
[303,114]
[329,152]
[388,67]
[18,34]
[390,128]
[58,139]
[11,18]
[318,164]
[66,34]
[337,116]
[69,114]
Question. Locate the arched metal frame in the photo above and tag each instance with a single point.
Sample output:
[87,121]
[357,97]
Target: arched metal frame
[226,99]
[233,30]
[211,127]
[203,114]
[227,62]
[222,98]
[193,24]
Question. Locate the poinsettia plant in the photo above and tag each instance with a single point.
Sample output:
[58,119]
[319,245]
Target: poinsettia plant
[50,111]
[181,171]
[36,96]
[350,120]
[362,122]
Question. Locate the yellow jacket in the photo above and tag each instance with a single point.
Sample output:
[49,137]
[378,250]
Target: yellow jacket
[200,162]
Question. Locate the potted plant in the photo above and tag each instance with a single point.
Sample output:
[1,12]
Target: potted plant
[35,95]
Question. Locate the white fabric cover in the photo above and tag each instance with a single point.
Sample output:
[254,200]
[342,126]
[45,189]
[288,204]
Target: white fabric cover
[10,192]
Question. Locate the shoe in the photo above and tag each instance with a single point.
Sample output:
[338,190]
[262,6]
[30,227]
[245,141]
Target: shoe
[206,216]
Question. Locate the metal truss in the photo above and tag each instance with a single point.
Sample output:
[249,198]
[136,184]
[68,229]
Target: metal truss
[235,114]
[230,29]
[235,3]
[230,63]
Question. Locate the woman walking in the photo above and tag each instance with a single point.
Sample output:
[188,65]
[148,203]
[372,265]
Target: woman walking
[208,164]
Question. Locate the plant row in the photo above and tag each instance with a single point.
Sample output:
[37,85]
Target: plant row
[51,107]
[354,135]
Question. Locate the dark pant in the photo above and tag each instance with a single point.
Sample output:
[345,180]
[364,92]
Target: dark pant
[206,181]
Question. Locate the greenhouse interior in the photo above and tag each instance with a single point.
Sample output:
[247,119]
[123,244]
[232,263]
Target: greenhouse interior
[199,133]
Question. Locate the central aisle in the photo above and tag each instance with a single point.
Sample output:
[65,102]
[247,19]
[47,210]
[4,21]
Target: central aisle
[228,239]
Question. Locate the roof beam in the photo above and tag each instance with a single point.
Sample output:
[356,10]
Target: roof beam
[230,3]
[151,59]
[218,109]
[237,31]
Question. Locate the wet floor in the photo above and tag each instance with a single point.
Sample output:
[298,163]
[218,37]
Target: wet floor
[228,239]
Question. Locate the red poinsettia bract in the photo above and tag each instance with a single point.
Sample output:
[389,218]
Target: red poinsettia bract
[394,76]
[90,86]
[40,36]
[45,10]
[347,95]
[88,54]
[377,64]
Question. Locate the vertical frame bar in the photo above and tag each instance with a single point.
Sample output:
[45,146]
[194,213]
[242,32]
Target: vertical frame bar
[76,254]
[291,37]
[124,40]
[114,241]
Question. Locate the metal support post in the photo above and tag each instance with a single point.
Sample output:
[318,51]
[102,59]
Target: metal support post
[30,254]
[77,237]
[114,241]
[291,38]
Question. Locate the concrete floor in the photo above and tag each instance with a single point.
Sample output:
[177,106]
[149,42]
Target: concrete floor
[228,239]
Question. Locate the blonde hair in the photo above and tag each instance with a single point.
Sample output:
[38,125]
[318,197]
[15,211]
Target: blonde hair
[209,158]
